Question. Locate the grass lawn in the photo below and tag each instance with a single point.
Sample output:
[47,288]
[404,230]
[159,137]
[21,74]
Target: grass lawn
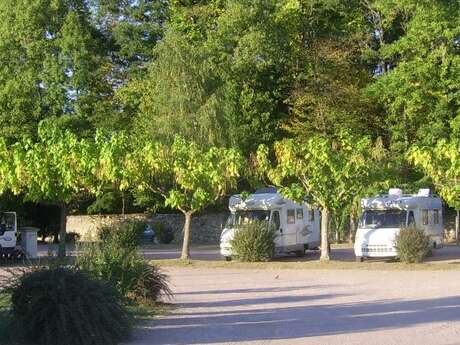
[313,264]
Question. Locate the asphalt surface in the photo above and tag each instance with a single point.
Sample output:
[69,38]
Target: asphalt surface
[229,306]
[449,253]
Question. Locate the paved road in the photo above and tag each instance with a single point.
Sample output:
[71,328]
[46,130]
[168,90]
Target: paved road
[448,253]
[293,307]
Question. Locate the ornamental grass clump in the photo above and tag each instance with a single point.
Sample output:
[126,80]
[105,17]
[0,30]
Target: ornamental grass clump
[127,234]
[412,245]
[66,306]
[253,242]
[116,259]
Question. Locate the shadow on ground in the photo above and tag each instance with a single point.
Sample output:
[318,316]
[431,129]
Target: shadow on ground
[295,322]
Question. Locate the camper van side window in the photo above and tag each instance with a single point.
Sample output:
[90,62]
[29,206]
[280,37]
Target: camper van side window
[312,215]
[425,217]
[436,216]
[290,216]
[299,213]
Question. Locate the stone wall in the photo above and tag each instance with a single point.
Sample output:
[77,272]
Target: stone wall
[206,228]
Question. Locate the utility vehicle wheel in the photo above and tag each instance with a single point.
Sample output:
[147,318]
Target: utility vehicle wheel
[359,259]
[228,258]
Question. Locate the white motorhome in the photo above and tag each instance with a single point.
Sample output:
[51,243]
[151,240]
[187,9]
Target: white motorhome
[297,225]
[384,215]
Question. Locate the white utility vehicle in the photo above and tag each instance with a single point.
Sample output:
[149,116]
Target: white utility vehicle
[297,225]
[384,215]
[8,231]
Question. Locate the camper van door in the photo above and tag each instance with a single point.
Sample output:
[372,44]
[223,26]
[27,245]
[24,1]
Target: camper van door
[275,221]
[290,231]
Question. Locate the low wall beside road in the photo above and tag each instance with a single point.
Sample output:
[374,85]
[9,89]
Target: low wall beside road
[205,228]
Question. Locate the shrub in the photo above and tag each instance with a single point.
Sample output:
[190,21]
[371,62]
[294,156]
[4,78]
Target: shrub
[412,244]
[163,234]
[72,237]
[127,234]
[253,242]
[150,285]
[125,269]
[65,306]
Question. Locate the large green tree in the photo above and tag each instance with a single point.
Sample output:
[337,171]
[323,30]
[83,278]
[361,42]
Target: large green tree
[219,76]
[52,64]
[179,96]
[113,150]
[131,29]
[59,169]
[441,163]
[328,173]
[417,72]
[326,70]
[186,177]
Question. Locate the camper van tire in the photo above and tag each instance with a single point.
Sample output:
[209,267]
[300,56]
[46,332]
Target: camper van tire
[359,259]
[228,258]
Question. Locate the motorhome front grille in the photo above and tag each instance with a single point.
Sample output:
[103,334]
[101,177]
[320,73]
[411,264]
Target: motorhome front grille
[377,248]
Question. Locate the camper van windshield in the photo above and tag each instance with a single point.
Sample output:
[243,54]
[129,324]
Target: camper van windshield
[244,217]
[383,218]
[6,221]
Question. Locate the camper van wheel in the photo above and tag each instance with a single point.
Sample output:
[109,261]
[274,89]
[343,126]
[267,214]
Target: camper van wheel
[228,258]
[359,259]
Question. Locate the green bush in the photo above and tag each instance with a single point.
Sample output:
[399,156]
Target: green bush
[151,283]
[125,269]
[72,237]
[127,234]
[253,242]
[65,306]
[163,234]
[412,245]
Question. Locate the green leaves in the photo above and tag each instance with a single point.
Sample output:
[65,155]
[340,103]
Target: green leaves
[188,178]
[328,173]
[52,64]
[113,151]
[57,168]
[442,164]
[420,92]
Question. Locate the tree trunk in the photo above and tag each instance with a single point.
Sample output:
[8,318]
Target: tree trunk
[351,235]
[457,226]
[186,242]
[62,231]
[123,204]
[324,235]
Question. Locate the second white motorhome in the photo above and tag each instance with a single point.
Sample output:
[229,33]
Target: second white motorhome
[383,216]
[297,225]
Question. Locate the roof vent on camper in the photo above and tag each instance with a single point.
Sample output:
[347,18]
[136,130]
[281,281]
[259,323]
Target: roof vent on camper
[424,192]
[395,192]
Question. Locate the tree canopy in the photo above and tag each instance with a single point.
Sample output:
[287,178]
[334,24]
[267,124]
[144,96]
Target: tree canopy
[186,177]
[127,78]
[326,173]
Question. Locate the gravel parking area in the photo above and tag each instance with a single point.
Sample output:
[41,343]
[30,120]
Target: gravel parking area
[230,306]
